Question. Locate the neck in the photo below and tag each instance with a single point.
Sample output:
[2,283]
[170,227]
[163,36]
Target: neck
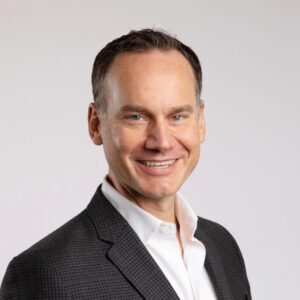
[162,208]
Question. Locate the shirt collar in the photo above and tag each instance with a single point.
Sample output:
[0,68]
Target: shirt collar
[145,224]
[186,216]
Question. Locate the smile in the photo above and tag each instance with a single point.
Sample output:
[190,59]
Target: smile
[158,164]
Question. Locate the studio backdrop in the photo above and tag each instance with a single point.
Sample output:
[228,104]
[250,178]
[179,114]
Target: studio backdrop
[248,175]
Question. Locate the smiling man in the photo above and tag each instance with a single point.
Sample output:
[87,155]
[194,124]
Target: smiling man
[138,238]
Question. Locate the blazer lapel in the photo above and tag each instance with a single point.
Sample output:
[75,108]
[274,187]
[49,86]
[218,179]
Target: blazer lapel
[213,265]
[135,262]
[128,252]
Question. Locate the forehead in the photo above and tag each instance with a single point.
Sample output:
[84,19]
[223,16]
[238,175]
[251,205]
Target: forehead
[135,70]
[152,61]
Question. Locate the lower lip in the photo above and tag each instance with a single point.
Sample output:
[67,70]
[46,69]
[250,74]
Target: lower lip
[158,171]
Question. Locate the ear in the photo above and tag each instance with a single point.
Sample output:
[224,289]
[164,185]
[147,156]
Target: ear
[202,122]
[94,123]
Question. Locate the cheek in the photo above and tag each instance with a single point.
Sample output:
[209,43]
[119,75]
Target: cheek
[190,139]
[111,143]
[114,138]
[127,141]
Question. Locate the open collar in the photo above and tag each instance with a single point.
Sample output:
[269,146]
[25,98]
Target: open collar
[127,251]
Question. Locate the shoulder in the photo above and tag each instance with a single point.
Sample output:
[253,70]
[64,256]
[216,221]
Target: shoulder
[69,237]
[57,249]
[43,268]
[216,231]
[218,239]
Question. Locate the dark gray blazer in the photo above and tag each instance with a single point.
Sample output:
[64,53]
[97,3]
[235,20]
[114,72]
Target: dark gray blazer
[97,255]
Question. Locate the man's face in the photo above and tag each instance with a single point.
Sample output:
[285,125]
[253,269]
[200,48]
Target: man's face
[152,130]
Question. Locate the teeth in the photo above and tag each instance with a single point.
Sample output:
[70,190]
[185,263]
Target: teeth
[160,164]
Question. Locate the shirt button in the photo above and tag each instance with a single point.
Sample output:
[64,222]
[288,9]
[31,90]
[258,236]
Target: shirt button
[164,228]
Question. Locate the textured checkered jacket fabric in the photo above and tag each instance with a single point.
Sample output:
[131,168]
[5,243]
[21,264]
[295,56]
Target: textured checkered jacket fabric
[97,255]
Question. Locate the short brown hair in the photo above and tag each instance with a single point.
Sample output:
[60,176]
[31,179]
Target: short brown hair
[138,41]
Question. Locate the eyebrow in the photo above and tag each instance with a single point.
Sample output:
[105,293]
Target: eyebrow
[184,108]
[142,109]
[130,108]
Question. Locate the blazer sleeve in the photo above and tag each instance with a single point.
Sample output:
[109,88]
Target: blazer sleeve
[30,278]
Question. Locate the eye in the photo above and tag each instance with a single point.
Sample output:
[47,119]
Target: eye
[135,117]
[176,118]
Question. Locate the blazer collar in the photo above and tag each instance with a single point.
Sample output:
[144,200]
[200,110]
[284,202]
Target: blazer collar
[127,251]
[213,263]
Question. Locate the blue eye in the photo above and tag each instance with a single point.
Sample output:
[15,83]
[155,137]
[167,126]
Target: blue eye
[176,118]
[135,117]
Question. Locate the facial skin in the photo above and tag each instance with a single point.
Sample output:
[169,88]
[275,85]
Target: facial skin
[152,116]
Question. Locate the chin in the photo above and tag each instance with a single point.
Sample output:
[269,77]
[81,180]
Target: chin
[158,191]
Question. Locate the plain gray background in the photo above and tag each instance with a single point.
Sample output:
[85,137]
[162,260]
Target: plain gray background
[248,175]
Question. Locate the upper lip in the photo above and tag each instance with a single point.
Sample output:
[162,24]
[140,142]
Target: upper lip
[157,160]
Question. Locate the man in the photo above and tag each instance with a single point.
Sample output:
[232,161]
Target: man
[138,237]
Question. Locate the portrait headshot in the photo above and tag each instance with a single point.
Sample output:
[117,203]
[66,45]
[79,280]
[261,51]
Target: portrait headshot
[149,151]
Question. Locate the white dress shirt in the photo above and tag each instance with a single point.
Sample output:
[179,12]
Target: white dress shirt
[186,274]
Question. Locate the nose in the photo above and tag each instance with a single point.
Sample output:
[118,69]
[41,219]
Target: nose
[158,138]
